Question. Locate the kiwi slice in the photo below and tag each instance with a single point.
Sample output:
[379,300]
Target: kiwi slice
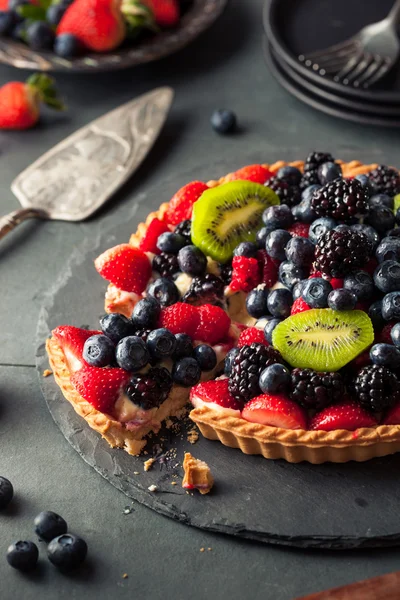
[396,203]
[323,339]
[229,214]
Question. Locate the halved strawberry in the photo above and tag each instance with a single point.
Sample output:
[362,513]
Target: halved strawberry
[276,411]
[347,415]
[126,267]
[268,268]
[299,229]
[181,204]
[245,274]
[213,325]
[216,394]
[299,305]
[148,243]
[256,173]
[100,387]
[251,335]
[72,340]
[392,416]
[180,318]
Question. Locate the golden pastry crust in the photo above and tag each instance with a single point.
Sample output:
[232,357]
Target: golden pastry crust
[197,474]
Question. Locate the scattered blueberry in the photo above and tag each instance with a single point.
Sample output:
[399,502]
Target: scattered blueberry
[385,355]
[132,353]
[277,217]
[303,212]
[329,171]
[391,306]
[67,45]
[342,299]
[388,249]
[40,36]
[146,313]
[316,292]
[289,274]
[49,525]
[256,303]
[186,372]
[364,180]
[183,346]
[360,283]
[300,251]
[22,555]
[291,175]
[276,242]
[192,261]
[269,328]
[381,218]
[395,335]
[381,200]
[369,232]
[319,227]
[6,492]
[170,242]
[116,326]
[205,356]
[223,121]
[229,358]
[67,551]
[164,291]
[387,276]
[375,314]
[279,302]
[275,379]
[161,343]
[98,351]
[247,249]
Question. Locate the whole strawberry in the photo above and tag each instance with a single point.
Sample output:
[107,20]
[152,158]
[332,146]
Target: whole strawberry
[20,102]
[166,12]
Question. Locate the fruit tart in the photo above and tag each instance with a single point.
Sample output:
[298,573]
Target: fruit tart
[271,297]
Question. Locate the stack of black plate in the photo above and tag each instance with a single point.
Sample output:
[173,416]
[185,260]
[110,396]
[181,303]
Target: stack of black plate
[295,27]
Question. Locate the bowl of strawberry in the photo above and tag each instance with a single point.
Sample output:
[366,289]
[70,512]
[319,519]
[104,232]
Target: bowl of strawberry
[98,35]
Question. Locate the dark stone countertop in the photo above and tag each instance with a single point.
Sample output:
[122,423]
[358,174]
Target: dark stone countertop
[162,558]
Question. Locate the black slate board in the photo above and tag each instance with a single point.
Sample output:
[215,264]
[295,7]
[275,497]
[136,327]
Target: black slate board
[326,506]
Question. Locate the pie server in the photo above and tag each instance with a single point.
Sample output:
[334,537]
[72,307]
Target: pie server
[73,179]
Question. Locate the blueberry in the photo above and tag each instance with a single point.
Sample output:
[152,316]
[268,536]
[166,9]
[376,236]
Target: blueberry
[18,32]
[6,492]
[22,555]
[381,200]
[116,326]
[132,353]
[395,335]
[372,235]
[387,276]
[329,171]
[67,551]
[342,227]
[391,306]
[164,291]
[291,175]
[364,180]
[261,237]
[49,525]
[381,218]
[360,283]
[275,379]
[276,242]
[393,232]
[375,314]
[316,292]
[297,289]
[7,22]
[309,191]
[229,358]
[54,13]
[262,321]
[303,212]
[146,312]
[192,261]
[67,45]
[186,372]
[170,242]
[183,346]
[205,356]
[319,227]
[247,249]
[161,343]
[280,302]
[385,355]
[269,328]
[223,121]
[98,351]
[277,217]
[388,249]
[40,36]
[256,303]
[300,251]
[289,274]
[342,299]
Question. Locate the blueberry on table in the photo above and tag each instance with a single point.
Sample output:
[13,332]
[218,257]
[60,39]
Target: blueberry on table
[205,357]
[161,343]
[67,45]
[275,379]
[22,555]
[132,353]
[49,525]
[186,372]
[164,291]
[6,492]
[116,326]
[67,551]
[223,121]
[98,351]
[191,260]
[146,313]
[40,36]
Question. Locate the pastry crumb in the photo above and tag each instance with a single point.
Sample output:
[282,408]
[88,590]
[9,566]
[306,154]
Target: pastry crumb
[152,488]
[128,510]
[47,372]
[197,474]
[174,483]
[202,549]
[148,464]
[168,423]
[136,473]
[125,576]
[192,436]
[209,549]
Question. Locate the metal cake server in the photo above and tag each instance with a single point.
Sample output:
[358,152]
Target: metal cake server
[73,179]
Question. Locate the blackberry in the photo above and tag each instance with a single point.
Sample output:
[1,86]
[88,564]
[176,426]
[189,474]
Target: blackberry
[204,290]
[166,264]
[315,160]
[315,390]
[184,229]
[341,200]
[225,273]
[377,388]
[337,253]
[385,180]
[288,194]
[247,367]
[310,178]
[149,390]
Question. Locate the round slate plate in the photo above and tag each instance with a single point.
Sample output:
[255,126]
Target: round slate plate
[196,19]
[325,506]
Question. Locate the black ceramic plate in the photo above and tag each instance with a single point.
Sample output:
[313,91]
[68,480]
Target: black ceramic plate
[297,27]
[331,108]
[198,17]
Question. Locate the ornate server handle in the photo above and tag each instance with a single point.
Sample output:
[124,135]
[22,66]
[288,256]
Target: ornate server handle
[10,221]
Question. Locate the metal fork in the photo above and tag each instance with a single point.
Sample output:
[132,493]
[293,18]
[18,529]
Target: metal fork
[365,58]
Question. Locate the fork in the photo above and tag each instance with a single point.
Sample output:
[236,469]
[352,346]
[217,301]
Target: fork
[363,59]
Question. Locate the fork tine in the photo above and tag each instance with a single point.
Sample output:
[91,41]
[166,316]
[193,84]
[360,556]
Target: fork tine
[385,67]
[318,54]
[359,69]
[349,66]
[369,72]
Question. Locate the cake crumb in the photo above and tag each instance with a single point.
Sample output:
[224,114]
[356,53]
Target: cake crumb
[202,549]
[197,474]
[152,488]
[209,549]
[174,483]
[47,372]
[125,576]
[148,464]
[136,473]
[192,436]
[168,423]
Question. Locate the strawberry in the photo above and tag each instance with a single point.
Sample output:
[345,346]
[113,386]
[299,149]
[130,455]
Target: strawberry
[181,204]
[299,229]
[336,283]
[268,268]
[314,274]
[148,243]
[298,306]
[100,386]
[276,411]
[214,324]
[180,318]
[166,12]
[19,102]
[128,268]
[392,416]
[3,5]
[255,173]
[245,274]
[347,415]
[251,335]
[371,266]
[72,339]
[217,394]
[383,336]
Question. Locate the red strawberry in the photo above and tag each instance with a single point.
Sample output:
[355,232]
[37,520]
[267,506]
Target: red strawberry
[268,268]
[276,411]
[72,340]
[299,229]
[181,204]
[3,5]
[314,274]
[336,283]
[217,394]
[347,415]
[298,306]
[128,268]
[180,318]
[214,324]
[148,243]
[245,274]
[251,335]
[100,387]
[383,336]
[392,416]
[166,12]
[371,266]
[19,102]
[255,173]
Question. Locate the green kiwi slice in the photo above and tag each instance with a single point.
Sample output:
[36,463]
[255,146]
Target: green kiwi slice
[396,203]
[323,339]
[229,214]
